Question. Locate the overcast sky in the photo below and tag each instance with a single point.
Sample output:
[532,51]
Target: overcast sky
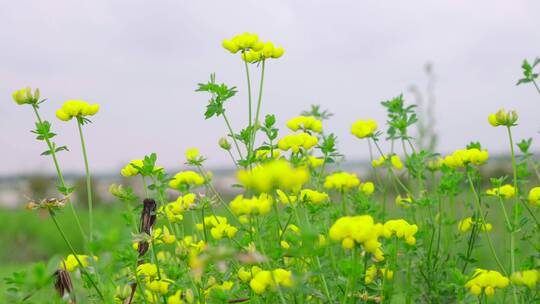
[141,61]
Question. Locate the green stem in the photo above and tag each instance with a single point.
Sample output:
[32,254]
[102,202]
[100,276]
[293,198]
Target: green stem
[249,89]
[88,182]
[483,224]
[254,131]
[515,212]
[59,173]
[231,133]
[68,243]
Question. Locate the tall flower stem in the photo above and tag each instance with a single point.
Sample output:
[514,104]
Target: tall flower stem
[68,243]
[514,169]
[483,223]
[249,89]
[59,172]
[257,112]
[88,183]
[231,133]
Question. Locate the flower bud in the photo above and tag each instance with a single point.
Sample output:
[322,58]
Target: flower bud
[224,144]
[25,96]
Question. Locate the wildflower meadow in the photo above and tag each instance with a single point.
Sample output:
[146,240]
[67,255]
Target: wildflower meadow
[419,227]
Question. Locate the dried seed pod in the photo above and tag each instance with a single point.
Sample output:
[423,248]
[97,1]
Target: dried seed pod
[63,285]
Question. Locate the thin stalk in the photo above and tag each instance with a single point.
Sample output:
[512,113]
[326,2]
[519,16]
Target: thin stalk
[59,173]
[88,183]
[257,112]
[232,136]
[483,223]
[68,243]
[514,213]
[249,89]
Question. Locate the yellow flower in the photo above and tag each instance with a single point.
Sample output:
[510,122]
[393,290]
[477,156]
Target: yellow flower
[372,273]
[251,206]
[527,278]
[401,229]
[315,162]
[341,181]
[296,141]
[219,228]
[486,281]
[270,279]
[159,286]
[312,196]
[180,297]
[467,223]
[503,118]
[506,191]
[133,168]
[367,188]
[362,230]
[364,128]
[186,178]
[276,174]
[460,158]
[534,196]
[265,154]
[192,154]
[395,161]
[25,96]
[246,275]
[76,108]
[147,270]
[163,235]
[305,123]
[71,264]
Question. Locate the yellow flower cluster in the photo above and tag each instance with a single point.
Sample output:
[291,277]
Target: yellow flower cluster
[505,191]
[296,141]
[252,49]
[153,282]
[527,278]
[315,162]
[262,280]
[186,178]
[132,168]
[180,297]
[534,196]
[219,228]
[362,230]
[76,108]
[460,158]
[306,195]
[214,285]
[305,123]
[263,154]
[367,188]
[174,210]
[341,181]
[486,281]
[251,206]
[401,229]
[246,275]
[192,154]
[277,174]
[71,264]
[364,128]
[163,236]
[373,272]
[394,160]
[503,118]
[25,96]
[467,223]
